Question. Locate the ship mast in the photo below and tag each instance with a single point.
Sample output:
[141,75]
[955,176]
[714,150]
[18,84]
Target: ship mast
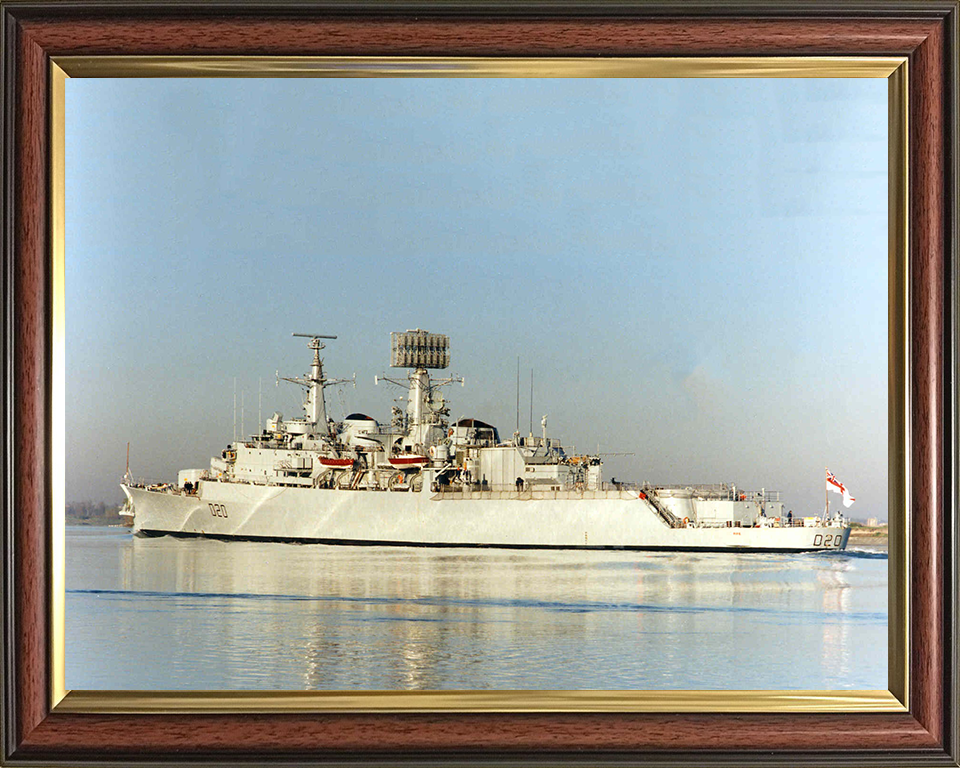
[314,382]
[420,350]
[826,496]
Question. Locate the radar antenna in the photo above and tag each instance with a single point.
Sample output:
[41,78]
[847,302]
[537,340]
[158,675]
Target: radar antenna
[426,410]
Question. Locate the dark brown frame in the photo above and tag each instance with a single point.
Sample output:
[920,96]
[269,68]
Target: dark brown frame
[925,32]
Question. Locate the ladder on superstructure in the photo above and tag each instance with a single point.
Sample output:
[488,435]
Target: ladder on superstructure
[665,514]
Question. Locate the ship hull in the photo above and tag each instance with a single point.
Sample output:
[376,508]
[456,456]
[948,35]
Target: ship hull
[530,520]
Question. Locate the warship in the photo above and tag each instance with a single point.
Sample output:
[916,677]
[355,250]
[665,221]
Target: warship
[424,480]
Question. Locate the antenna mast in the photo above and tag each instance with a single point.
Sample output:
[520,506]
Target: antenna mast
[531,402]
[518,394]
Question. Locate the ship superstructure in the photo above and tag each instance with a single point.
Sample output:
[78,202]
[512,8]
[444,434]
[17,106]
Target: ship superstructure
[424,480]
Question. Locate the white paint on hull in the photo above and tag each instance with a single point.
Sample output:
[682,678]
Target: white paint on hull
[565,520]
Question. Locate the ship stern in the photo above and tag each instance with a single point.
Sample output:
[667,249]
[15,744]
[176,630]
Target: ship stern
[846,537]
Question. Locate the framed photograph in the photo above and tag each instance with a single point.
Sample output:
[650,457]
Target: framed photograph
[908,50]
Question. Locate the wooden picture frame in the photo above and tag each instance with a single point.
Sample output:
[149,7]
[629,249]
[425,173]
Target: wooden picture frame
[35,34]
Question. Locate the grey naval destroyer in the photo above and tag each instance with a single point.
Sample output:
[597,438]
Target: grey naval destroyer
[422,480]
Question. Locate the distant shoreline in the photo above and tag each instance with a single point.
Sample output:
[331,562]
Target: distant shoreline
[93,513]
[876,535]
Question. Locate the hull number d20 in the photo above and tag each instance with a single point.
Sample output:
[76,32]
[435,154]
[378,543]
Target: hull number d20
[218,510]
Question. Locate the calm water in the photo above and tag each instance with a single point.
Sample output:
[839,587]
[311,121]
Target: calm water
[196,614]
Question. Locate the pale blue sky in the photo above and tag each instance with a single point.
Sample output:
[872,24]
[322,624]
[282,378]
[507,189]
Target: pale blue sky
[695,269]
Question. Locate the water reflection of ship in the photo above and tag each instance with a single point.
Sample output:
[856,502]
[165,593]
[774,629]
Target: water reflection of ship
[835,589]
[428,612]
[409,619]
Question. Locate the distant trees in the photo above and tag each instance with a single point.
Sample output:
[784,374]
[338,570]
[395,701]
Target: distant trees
[93,513]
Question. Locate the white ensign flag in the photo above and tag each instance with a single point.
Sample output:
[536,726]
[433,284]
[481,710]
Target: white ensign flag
[837,487]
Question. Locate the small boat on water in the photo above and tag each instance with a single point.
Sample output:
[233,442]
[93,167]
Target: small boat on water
[421,481]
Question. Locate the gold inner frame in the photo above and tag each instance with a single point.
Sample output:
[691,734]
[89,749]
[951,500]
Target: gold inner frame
[894,69]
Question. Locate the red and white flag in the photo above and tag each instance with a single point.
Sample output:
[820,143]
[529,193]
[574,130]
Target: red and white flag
[837,487]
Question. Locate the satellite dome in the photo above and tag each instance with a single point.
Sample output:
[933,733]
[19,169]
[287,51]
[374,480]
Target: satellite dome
[359,417]
[476,423]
